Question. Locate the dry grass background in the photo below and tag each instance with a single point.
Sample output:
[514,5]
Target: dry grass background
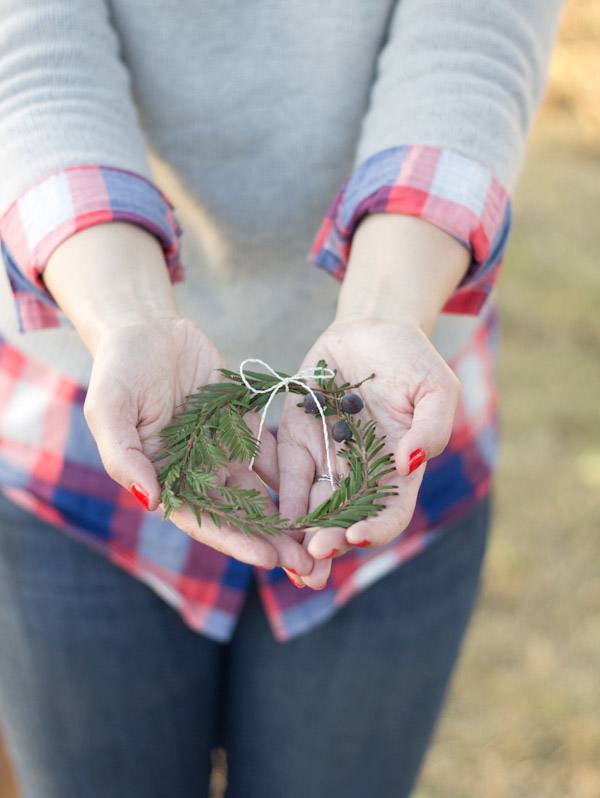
[523,719]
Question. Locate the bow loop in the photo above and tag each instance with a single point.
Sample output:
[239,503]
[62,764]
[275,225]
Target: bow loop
[316,372]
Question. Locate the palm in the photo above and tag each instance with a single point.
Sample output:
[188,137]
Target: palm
[409,374]
[141,375]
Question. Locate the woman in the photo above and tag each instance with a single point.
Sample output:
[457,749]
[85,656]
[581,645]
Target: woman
[419,110]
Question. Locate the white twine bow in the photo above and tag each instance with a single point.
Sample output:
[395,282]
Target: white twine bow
[284,382]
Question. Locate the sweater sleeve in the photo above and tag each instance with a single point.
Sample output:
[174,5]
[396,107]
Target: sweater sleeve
[462,75]
[456,87]
[72,153]
[440,187]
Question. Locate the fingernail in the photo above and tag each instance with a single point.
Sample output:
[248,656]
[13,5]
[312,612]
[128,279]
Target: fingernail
[292,571]
[415,459]
[329,556]
[362,544]
[295,582]
[141,495]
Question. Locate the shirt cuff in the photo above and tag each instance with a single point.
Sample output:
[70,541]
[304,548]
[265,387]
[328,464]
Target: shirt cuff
[456,194]
[63,204]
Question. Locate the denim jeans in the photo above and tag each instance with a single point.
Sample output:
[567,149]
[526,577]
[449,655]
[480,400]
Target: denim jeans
[105,693]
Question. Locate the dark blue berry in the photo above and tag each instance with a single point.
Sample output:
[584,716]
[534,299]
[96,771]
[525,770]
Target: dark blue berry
[310,406]
[341,431]
[351,403]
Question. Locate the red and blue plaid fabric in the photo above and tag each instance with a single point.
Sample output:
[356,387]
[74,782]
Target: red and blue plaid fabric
[442,187]
[49,462]
[64,203]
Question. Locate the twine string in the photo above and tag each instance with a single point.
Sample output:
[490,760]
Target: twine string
[317,372]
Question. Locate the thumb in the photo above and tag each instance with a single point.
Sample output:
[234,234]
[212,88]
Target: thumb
[429,433]
[121,451]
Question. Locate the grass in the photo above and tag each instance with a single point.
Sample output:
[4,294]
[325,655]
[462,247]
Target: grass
[523,720]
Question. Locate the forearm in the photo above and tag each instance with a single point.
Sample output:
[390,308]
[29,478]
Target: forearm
[400,269]
[110,275]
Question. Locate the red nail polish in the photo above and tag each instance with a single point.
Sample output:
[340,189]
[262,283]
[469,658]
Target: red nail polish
[141,495]
[331,554]
[415,459]
[363,544]
[296,583]
[291,570]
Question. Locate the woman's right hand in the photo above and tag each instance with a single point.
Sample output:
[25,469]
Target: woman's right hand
[140,374]
[112,283]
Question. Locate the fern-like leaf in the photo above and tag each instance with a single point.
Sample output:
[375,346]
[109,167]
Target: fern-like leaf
[209,431]
[236,436]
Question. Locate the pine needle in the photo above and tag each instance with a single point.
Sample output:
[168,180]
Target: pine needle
[210,431]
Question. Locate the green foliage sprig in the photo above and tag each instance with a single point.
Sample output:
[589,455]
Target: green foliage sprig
[210,431]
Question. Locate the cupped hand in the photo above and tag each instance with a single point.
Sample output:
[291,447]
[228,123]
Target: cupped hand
[141,373]
[412,399]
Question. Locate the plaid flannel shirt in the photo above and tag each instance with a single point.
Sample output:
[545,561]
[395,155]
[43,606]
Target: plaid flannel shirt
[49,463]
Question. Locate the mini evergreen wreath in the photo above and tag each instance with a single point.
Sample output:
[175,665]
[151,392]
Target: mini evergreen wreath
[210,431]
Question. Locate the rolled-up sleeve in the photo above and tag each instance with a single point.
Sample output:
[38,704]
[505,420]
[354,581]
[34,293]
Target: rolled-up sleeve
[441,187]
[63,204]
[72,153]
[454,94]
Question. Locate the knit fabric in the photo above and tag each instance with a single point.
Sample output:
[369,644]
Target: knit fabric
[262,112]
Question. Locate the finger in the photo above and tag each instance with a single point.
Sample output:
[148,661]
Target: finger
[323,543]
[317,579]
[392,520]
[430,430]
[328,542]
[265,464]
[116,435]
[251,550]
[291,553]
[296,477]
[299,446]
[294,579]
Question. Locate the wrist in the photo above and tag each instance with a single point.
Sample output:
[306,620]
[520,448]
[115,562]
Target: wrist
[401,270]
[378,319]
[108,277]
[97,327]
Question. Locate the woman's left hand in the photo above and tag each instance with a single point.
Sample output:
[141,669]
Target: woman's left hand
[412,399]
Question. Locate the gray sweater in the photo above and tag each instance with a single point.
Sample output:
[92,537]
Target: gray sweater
[257,112]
